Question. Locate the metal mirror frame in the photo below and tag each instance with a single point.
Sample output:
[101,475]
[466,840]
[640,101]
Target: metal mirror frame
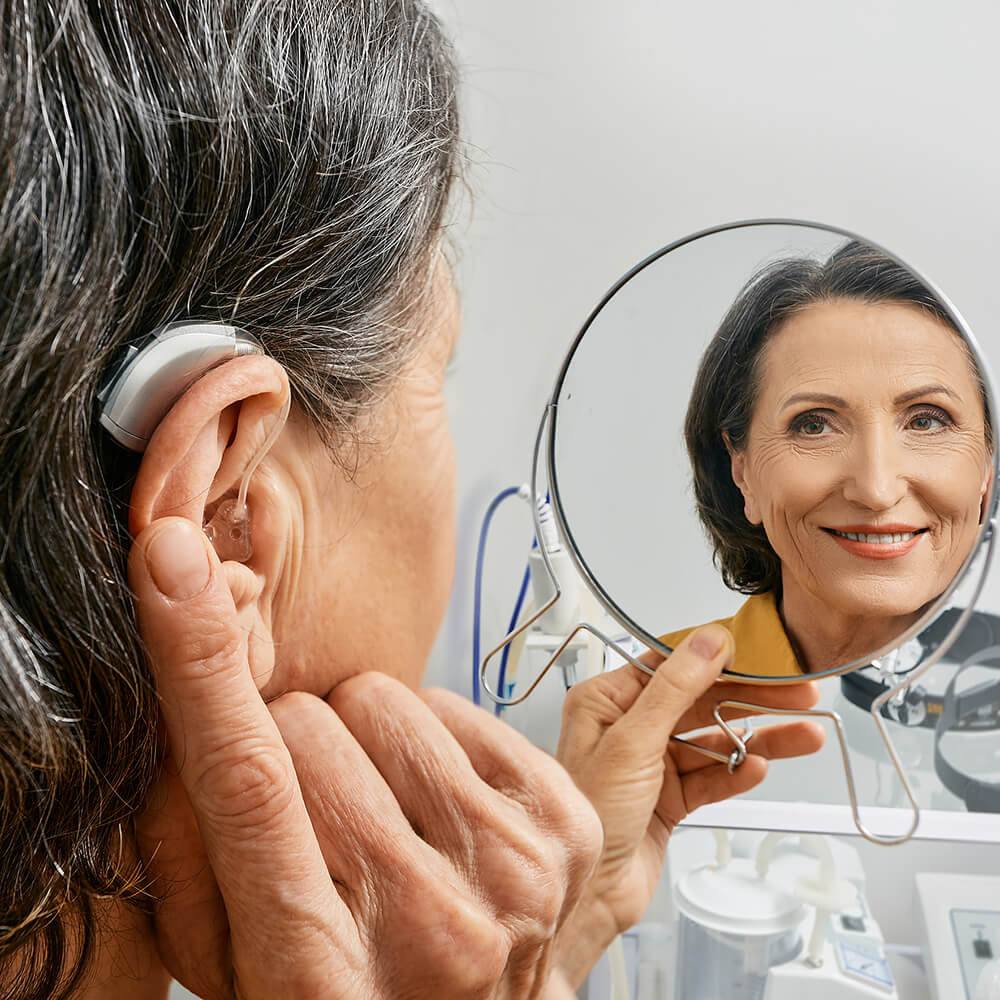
[985,530]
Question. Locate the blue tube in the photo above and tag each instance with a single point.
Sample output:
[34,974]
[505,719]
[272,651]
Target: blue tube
[502,677]
[478,589]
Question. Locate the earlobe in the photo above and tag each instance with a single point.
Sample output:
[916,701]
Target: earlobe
[750,508]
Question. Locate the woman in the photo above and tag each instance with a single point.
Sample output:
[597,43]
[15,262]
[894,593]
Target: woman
[841,451]
[284,816]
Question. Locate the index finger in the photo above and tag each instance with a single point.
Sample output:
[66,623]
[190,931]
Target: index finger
[234,766]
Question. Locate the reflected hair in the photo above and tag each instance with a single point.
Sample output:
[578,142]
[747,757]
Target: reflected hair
[728,382]
[282,166]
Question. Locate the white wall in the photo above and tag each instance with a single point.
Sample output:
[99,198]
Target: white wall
[599,132]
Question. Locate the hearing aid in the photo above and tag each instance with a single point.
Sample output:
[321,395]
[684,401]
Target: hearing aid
[147,382]
[153,375]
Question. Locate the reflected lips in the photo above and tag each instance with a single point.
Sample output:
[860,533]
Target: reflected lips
[877,541]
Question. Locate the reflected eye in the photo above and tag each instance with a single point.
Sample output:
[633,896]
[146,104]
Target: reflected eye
[811,425]
[928,420]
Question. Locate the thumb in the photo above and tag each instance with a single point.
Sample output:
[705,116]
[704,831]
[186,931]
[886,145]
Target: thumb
[191,632]
[236,771]
[679,681]
[227,748]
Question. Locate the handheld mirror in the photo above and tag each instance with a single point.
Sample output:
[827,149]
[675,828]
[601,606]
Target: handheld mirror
[782,426]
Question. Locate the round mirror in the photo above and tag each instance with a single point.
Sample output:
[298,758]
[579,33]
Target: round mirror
[781,426]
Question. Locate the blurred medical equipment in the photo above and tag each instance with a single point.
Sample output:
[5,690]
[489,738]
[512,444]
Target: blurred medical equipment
[916,706]
[961,925]
[769,917]
[777,927]
[750,913]
[973,709]
[952,733]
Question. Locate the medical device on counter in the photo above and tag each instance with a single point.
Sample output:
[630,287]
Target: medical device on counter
[780,926]
[961,924]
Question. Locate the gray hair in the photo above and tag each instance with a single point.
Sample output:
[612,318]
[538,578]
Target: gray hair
[282,166]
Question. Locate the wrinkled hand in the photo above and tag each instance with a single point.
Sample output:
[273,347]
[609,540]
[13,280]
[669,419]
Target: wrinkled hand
[615,742]
[377,844]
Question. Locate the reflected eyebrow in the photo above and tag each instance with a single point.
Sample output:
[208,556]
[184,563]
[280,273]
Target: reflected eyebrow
[927,390]
[813,397]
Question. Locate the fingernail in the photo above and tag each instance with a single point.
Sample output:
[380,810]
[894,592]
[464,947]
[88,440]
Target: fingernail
[177,561]
[707,642]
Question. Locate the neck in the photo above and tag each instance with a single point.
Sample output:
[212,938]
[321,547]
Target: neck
[824,639]
[124,964]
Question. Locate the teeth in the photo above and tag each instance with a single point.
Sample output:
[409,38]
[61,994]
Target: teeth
[886,539]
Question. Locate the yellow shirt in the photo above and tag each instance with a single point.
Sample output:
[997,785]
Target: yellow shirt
[762,647]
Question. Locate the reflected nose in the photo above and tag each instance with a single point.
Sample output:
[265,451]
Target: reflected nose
[876,474]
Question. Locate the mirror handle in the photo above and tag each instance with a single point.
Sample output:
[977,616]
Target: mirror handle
[848,770]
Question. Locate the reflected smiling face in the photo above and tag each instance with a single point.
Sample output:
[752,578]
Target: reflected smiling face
[866,460]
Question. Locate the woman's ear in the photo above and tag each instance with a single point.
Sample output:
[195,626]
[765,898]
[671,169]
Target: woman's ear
[985,487]
[737,468]
[194,465]
[204,445]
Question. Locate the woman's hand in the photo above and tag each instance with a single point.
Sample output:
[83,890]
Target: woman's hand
[357,846]
[615,742]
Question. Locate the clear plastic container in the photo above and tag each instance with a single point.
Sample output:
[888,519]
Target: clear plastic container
[733,927]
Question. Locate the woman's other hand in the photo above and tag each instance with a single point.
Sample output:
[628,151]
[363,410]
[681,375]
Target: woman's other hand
[356,846]
[615,742]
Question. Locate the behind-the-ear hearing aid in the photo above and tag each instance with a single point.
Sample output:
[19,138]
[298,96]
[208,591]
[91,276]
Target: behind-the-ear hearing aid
[152,376]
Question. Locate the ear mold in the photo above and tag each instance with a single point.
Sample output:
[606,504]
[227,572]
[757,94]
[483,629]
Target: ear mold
[229,531]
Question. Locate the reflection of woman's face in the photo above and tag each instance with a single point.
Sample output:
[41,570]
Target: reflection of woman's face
[866,459]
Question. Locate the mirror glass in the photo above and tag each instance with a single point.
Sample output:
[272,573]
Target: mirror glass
[781,426]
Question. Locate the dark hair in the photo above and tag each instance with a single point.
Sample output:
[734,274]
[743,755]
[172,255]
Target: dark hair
[282,166]
[728,381]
